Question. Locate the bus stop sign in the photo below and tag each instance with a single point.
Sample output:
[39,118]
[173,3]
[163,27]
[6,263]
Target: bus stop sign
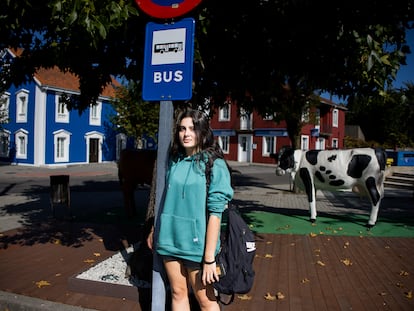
[168,61]
[167,8]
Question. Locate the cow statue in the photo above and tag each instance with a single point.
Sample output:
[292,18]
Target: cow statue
[361,170]
[135,167]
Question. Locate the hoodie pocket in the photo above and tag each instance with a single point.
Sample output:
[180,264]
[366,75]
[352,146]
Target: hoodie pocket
[180,233]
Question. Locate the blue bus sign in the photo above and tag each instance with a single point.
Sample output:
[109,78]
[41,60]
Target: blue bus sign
[168,61]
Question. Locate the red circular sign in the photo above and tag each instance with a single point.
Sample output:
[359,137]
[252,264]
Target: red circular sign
[167,8]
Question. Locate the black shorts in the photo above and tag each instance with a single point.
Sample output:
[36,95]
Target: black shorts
[186,263]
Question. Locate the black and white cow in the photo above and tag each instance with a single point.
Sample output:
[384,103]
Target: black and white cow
[361,170]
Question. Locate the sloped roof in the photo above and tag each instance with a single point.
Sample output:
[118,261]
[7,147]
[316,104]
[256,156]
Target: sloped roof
[56,78]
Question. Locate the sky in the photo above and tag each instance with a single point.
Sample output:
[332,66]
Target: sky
[406,73]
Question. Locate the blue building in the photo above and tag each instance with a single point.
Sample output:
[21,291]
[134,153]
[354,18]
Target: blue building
[37,129]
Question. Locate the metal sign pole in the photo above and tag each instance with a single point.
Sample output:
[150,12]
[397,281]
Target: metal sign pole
[164,141]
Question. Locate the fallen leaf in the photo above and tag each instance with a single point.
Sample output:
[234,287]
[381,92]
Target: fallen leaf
[383,294]
[312,235]
[404,273]
[268,256]
[292,244]
[409,294]
[320,263]
[387,247]
[97,254]
[346,244]
[269,242]
[400,285]
[42,283]
[58,274]
[244,297]
[279,295]
[89,261]
[346,262]
[100,240]
[305,280]
[268,296]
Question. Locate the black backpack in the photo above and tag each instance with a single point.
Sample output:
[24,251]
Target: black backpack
[235,259]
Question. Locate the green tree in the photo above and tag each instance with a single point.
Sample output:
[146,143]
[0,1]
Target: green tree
[385,119]
[135,117]
[252,48]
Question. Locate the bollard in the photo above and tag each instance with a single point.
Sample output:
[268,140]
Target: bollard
[59,191]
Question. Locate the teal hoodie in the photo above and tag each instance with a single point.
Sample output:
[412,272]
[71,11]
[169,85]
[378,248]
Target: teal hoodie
[182,223]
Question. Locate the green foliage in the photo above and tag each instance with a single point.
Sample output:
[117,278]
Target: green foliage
[135,117]
[248,50]
[387,119]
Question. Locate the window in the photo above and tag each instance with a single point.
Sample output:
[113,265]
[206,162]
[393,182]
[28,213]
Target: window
[335,118]
[21,138]
[4,143]
[61,111]
[224,142]
[224,113]
[269,116]
[335,143]
[62,142]
[269,145]
[304,142]
[22,99]
[305,115]
[95,114]
[4,108]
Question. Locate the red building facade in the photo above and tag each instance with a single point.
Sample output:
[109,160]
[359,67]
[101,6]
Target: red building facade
[250,138]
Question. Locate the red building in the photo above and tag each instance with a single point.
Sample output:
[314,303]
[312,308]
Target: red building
[248,137]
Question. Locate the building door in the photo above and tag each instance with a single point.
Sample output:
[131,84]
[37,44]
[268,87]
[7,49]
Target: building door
[93,150]
[244,150]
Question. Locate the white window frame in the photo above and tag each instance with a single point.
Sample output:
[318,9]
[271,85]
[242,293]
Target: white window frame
[95,112]
[304,142]
[224,112]
[21,138]
[335,143]
[4,143]
[224,143]
[269,145]
[335,118]
[61,111]
[61,152]
[22,102]
[4,108]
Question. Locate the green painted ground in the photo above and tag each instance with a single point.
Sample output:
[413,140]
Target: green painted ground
[349,225]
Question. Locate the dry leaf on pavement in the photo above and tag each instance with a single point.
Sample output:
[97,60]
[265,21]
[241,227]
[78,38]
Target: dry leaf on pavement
[268,296]
[42,283]
[244,297]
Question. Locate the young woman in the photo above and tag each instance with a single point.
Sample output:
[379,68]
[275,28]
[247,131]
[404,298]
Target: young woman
[198,188]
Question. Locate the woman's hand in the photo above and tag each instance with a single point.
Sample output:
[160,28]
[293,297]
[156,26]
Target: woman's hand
[150,238]
[209,273]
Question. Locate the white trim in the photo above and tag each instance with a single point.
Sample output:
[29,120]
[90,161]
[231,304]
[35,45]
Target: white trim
[95,119]
[61,117]
[22,103]
[39,138]
[5,133]
[98,135]
[61,152]
[21,151]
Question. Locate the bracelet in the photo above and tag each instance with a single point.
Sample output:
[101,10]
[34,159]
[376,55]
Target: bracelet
[209,262]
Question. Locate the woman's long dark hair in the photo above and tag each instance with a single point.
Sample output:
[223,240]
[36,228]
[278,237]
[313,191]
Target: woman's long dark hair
[206,143]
